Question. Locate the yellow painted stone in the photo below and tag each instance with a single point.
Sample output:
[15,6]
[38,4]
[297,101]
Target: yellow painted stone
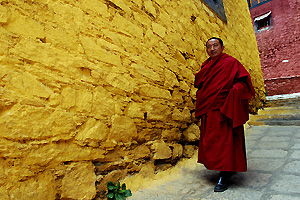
[68,98]
[94,50]
[92,133]
[61,38]
[51,154]
[28,83]
[192,133]
[159,29]
[149,7]
[184,86]
[30,122]
[122,81]
[4,14]
[25,26]
[122,24]
[140,152]
[82,175]
[170,79]
[154,92]
[4,193]
[122,5]
[156,110]
[161,150]
[40,187]
[184,116]
[171,135]
[145,71]
[123,129]
[134,111]
[84,100]
[177,151]
[95,6]
[103,104]
[92,81]
[178,55]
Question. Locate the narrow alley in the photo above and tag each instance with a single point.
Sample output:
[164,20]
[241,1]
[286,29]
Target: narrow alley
[273,153]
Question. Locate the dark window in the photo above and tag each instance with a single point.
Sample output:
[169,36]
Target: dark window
[218,7]
[263,22]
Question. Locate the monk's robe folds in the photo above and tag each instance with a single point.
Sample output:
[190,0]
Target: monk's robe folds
[224,88]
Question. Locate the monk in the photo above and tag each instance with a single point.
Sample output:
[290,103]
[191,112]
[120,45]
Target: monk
[224,88]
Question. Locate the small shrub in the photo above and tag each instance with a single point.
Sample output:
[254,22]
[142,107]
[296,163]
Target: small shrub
[117,192]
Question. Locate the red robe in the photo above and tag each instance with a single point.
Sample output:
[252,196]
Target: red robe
[224,87]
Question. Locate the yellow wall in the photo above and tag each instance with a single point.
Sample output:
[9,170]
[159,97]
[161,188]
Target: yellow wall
[103,85]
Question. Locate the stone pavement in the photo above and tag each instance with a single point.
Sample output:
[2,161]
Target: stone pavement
[273,154]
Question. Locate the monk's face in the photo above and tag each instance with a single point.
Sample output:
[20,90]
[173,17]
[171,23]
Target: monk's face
[213,48]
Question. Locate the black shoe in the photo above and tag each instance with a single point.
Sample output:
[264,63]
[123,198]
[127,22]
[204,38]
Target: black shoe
[221,185]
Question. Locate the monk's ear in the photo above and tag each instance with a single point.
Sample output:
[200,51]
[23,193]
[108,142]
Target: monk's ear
[223,48]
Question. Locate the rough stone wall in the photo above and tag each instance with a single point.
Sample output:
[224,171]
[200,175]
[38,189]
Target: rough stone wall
[278,44]
[92,90]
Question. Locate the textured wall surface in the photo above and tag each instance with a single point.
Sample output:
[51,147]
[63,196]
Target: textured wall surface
[92,90]
[279,44]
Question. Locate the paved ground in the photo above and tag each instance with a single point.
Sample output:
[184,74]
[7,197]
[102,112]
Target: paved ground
[273,172]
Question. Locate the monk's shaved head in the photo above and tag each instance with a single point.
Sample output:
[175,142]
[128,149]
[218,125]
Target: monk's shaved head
[219,39]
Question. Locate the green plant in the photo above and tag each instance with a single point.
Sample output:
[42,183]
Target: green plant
[117,192]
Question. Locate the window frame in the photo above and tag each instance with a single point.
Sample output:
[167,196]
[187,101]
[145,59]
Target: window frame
[218,7]
[267,20]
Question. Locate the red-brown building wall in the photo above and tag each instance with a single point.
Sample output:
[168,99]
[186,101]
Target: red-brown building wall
[279,43]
